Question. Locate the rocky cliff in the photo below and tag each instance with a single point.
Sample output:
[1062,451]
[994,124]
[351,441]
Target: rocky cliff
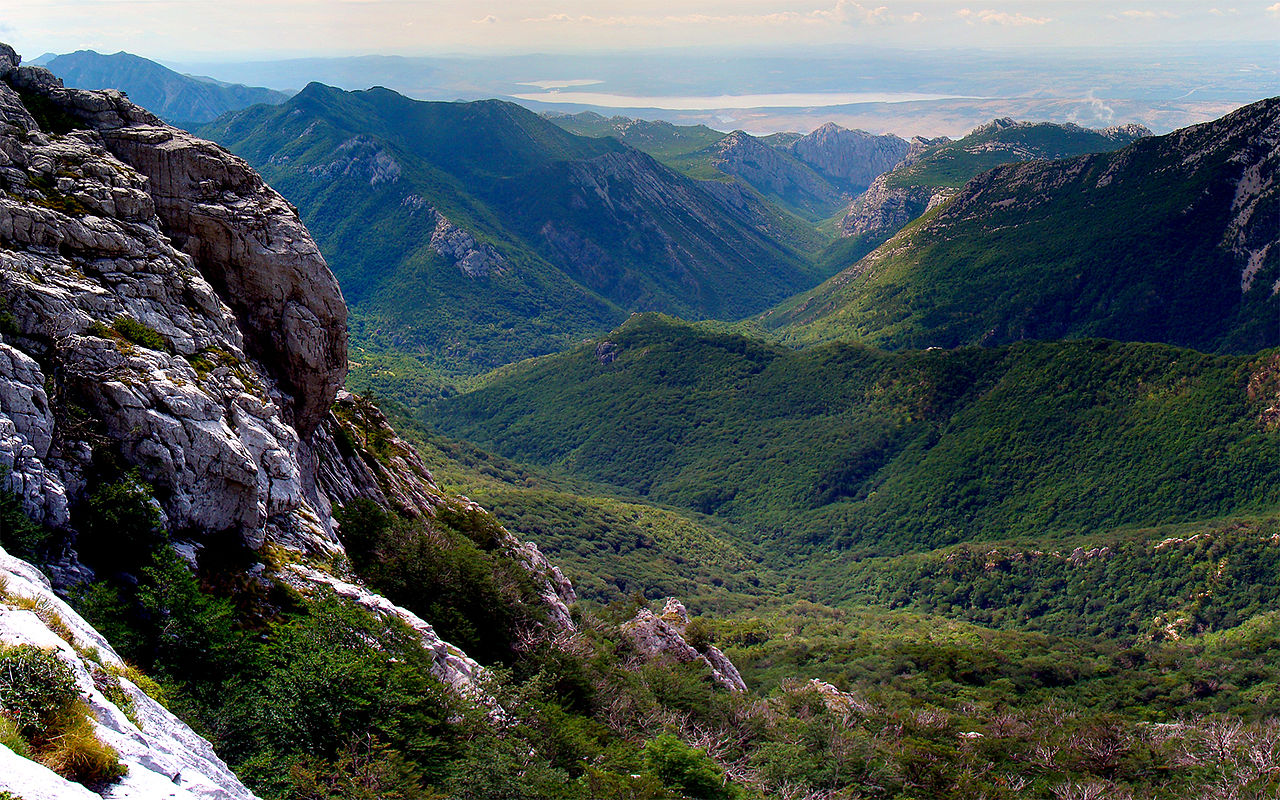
[850,158]
[166,312]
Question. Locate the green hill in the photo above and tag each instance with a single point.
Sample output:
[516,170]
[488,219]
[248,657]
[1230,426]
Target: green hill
[1169,239]
[480,233]
[883,453]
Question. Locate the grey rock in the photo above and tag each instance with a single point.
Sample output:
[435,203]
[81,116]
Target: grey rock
[660,639]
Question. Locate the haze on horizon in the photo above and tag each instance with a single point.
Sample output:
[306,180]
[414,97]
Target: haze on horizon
[195,30]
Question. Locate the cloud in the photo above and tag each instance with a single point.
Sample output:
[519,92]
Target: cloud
[1143,15]
[1274,10]
[844,12]
[992,17]
[848,12]
[487,19]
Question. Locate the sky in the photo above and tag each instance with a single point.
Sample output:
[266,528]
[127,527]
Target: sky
[192,30]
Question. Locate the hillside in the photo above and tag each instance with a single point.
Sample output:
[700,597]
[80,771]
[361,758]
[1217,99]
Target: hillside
[934,169]
[851,447]
[1170,239]
[179,99]
[480,233]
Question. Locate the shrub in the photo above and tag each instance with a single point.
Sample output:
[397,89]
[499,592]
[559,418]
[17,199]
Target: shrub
[119,524]
[138,333]
[36,688]
[686,769]
[19,536]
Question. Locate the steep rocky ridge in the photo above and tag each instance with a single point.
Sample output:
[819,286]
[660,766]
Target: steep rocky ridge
[777,174]
[935,169]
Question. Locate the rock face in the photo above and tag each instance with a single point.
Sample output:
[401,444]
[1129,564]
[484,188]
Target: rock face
[851,158]
[897,197]
[660,638]
[165,758]
[474,258]
[775,172]
[168,297]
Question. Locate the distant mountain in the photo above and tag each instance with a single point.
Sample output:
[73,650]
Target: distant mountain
[810,175]
[777,175]
[182,100]
[1171,239]
[933,169]
[482,233]
[671,144]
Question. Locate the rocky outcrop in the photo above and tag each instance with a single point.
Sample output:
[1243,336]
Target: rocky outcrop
[205,367]
[164,757]
[882,211]
[899,196]
[850,158]
[244,238]
[659,638]
[474,258]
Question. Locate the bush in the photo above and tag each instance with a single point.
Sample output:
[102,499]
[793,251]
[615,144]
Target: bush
[138,333]
[686,769]
[119,525]
[36,688]
[19,536]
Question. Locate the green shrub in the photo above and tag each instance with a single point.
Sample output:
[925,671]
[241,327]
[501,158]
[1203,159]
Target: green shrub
[19,536]
[686,769]
[138,333]
[119,524]
[36,688]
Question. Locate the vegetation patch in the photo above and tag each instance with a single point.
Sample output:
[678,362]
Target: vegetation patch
[39,699]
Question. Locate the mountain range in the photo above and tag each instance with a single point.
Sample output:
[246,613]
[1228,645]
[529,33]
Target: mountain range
[487,233]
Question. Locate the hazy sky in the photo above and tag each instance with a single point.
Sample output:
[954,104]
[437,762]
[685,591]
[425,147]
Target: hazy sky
[185,30]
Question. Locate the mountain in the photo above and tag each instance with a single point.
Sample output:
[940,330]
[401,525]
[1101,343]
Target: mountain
[1170,239]
[181,100]
[842,445]
[934,169]
[483,233]
[673,145]
[777,175]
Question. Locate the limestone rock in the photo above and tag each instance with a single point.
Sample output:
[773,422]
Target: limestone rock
[660,639]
